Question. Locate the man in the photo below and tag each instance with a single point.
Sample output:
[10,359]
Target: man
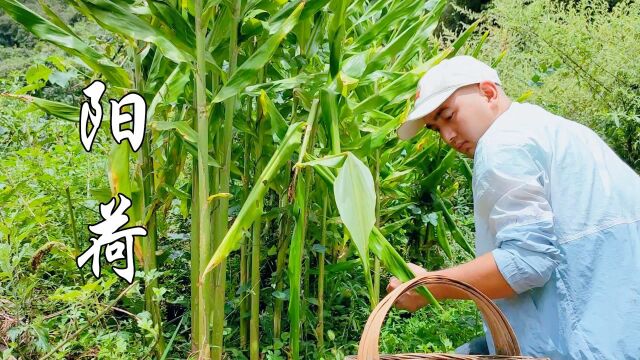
[557,216]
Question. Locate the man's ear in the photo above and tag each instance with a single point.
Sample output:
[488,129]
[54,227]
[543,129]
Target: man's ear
[489,90]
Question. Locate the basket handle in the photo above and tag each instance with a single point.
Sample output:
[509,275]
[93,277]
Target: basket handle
[503,336]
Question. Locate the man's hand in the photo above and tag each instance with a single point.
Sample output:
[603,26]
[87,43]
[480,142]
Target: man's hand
[410,301]
[482,273]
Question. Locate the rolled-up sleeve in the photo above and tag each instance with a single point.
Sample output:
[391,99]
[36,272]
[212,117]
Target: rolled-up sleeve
[514,200]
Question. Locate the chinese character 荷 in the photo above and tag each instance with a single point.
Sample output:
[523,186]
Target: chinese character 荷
[118,243]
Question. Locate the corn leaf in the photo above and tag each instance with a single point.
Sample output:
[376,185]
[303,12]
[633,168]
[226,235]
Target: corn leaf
[246,72]
[120,19]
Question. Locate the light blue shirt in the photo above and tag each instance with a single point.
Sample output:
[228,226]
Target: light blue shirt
[561,213]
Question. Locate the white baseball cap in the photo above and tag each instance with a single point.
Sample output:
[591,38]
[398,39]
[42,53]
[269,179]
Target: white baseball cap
[438,83]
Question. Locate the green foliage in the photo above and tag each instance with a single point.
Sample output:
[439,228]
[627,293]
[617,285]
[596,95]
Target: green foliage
[429,331]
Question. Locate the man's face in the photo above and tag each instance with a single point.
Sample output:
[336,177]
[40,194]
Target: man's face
[464,117]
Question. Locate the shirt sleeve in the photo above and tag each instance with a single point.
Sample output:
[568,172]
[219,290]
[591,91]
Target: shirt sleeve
[513,198]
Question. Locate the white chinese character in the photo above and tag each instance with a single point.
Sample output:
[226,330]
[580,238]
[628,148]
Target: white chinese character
[94,92]
[109,236]
[139,119]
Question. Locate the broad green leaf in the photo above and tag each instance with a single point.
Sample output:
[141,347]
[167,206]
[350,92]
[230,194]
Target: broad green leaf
[378,137]
[391,50]
[389,257]
[47,31]
[246,72]
[355,197]
[118,170]
[398,90]
[421,37]
[119,18]
[37,73]
[466,169]
[281,85]
[390,228]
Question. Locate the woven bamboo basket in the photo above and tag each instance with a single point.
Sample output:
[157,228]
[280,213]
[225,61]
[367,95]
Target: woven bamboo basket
[504,339]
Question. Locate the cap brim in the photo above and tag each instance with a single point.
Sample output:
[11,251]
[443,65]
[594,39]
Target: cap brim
[415,122]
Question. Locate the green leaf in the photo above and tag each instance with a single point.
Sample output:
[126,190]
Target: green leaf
[246,73]
[55,19]
[181,127]
[62,78]
[37,73]
[278,123]
[47,31]
[310,8]
[395,46]
[453,228]
[335,34]
[355,197]
[172,18]
[478,47]
[332,161]
[55,108]
[393,262]
[172,88]
[462,39]
[118,170]
[121,19]
[436,175]
[442,238]
[356,200]
[398,11]
[330,120]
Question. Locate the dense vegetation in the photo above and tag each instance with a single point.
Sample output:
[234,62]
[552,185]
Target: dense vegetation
[291,104]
